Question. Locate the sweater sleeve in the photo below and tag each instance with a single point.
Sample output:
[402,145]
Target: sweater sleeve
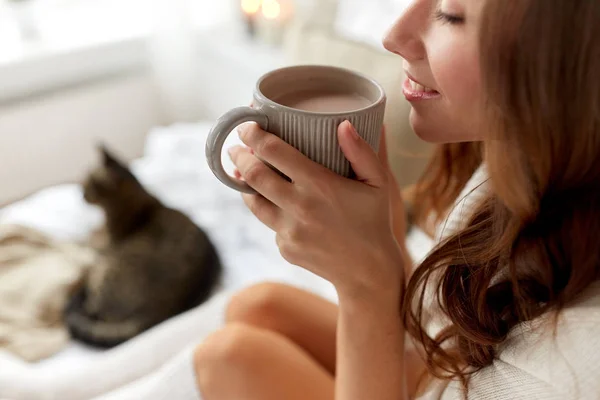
[541,360]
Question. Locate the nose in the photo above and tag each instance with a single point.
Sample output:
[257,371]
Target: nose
[405,36]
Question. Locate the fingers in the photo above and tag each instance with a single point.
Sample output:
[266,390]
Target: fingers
[365,162]
[383,150]
[260,177]
[276,152]
[266,212]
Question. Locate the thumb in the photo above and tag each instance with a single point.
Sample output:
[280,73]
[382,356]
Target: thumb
[362,157]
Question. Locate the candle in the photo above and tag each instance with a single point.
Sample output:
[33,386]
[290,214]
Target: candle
[251,9]
[271,9]
[275,14]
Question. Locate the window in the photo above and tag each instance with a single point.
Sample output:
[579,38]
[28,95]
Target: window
[49,44]
[368,21]
[28,25]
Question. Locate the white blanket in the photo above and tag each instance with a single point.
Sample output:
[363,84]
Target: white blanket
[174,168]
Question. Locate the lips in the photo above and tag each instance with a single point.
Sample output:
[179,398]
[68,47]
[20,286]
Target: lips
[414,91]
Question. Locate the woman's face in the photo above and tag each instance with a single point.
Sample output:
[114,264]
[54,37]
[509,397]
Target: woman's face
[439,41]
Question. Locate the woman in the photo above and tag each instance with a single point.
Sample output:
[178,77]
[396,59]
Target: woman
[506,306]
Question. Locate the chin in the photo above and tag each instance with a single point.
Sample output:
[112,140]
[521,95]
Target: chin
[439,130]
[426,129]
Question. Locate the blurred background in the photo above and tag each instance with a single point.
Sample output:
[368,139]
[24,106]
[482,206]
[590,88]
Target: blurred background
[77,72]
[148,78]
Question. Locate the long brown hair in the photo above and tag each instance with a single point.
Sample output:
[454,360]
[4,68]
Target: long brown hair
[448,171]
[532,245]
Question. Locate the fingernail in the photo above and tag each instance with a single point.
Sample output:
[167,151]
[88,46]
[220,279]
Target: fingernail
[355,135]
[242,128]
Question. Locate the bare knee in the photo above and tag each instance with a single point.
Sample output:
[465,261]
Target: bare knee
[226,346]
[258,304]
[231,353]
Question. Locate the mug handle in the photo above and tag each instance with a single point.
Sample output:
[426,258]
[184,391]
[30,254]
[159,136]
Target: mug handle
[216,139]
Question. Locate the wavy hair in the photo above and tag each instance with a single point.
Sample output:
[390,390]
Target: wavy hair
[532,245]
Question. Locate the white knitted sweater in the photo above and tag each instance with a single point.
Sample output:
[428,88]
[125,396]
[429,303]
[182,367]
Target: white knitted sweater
[536,362]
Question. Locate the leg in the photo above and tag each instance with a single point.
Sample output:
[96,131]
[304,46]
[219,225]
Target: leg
[249,363]
[306,319]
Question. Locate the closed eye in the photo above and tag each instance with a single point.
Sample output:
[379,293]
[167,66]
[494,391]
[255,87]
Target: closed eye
[449,18]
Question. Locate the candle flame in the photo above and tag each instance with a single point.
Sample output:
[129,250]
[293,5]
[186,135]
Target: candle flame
[251,6]
[271,9]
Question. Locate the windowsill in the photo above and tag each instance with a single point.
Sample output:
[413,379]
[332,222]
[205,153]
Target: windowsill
[48,69]
[78,46]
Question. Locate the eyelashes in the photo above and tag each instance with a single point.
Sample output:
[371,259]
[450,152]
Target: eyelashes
[448,18]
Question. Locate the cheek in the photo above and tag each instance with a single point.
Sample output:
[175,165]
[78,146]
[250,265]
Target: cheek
[455,68]
[456,71]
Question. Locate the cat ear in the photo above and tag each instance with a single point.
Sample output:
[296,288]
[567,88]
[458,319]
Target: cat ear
[108,159]
[118,170]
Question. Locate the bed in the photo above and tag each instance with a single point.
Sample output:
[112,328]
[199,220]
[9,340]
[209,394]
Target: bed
[174,169]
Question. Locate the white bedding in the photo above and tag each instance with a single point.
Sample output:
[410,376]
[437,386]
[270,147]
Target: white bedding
[174,168]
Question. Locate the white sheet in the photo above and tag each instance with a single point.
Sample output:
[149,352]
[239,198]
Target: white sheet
[174,168]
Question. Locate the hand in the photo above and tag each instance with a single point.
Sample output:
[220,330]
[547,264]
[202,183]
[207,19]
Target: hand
[337,228]
[397,208]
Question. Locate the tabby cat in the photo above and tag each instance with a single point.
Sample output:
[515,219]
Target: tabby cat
[156,263]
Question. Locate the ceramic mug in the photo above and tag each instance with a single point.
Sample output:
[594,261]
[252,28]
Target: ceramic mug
[304,105]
